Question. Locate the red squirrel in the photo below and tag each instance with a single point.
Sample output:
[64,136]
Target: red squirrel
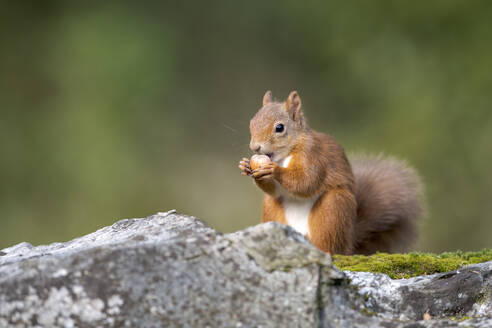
[371,204]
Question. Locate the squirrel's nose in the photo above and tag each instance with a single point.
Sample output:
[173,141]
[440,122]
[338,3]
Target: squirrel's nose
[255,147]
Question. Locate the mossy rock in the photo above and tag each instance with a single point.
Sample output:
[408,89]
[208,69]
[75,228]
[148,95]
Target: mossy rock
[398,266]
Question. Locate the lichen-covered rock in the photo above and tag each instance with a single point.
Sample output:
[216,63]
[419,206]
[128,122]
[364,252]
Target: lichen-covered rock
[171,270]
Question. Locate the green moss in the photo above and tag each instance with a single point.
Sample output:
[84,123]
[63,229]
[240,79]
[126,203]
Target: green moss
[399,266]
[368,312]
[481,298]
[459,319]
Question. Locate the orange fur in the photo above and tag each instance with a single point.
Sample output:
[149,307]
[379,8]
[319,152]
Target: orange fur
[373,208]
[272,210]
[268,186]
[331,221]
[331,218]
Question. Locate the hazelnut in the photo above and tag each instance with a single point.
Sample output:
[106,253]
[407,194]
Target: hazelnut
[258,160]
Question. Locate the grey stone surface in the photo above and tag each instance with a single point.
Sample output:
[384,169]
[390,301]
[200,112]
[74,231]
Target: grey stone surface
[172,270]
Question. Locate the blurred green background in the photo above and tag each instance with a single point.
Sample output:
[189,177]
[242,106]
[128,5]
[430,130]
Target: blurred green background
[113,110]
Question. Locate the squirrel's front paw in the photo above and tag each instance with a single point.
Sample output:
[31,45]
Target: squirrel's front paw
[245,167]
[265,171]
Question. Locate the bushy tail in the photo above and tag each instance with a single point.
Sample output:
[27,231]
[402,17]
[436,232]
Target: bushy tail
[389,198]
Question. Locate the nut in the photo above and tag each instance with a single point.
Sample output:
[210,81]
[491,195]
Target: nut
[258,160]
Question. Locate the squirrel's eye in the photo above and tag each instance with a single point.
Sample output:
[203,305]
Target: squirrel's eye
[279,128]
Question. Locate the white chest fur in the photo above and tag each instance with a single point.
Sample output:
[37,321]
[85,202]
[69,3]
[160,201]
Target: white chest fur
[296,210]
[297,213]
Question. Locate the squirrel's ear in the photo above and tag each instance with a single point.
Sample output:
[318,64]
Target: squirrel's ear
[293,105]
[267,98]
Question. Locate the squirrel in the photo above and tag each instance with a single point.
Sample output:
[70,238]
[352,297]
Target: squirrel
[371,204]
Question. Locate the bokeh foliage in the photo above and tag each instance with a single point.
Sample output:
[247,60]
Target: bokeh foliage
[112,110]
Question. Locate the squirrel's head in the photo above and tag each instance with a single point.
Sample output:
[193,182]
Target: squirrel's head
[277,127]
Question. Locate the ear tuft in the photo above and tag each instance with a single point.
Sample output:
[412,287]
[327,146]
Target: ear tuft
[293,105]
[267,98]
